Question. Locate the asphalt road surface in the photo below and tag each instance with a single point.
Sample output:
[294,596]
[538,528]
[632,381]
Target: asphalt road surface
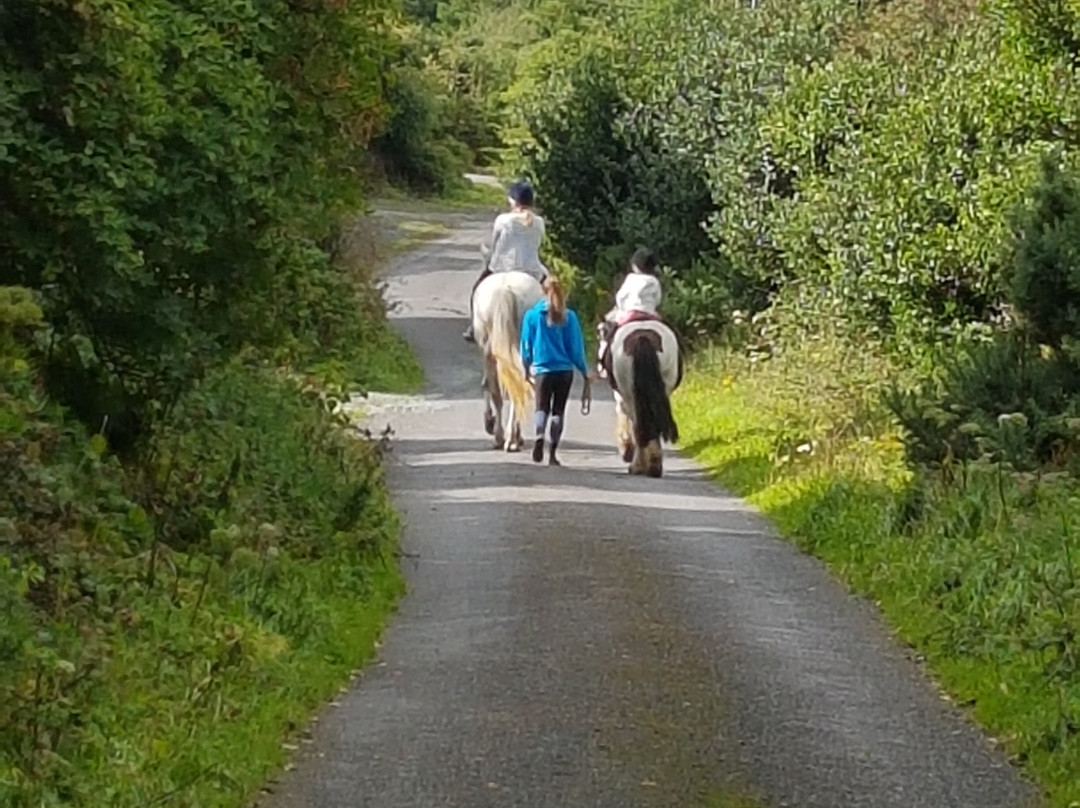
[576,637]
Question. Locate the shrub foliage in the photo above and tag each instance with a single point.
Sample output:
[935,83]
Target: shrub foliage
[194,550]
[170,169]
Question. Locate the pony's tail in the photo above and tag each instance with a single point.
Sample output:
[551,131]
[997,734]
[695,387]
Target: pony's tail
[652,407]
[504,347]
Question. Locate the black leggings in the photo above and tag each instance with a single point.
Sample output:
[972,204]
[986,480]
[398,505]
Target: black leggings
[552,393]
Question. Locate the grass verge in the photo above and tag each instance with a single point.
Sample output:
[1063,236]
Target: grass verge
[976,570]
[467,196]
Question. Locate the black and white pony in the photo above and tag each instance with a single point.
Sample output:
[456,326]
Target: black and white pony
[645,369]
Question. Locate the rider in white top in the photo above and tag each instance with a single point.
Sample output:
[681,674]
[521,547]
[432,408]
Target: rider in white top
[640,293]
[515,242]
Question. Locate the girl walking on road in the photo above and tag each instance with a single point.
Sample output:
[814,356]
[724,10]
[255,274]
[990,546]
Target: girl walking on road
[552,347]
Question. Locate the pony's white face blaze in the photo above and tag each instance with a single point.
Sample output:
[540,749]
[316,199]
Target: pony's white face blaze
[645,364]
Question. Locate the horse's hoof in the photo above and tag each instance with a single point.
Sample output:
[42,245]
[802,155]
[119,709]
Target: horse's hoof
[513,447]
[489,425]
[628,454]
[654,471]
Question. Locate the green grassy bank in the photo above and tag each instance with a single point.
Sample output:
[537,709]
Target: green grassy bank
[975,569]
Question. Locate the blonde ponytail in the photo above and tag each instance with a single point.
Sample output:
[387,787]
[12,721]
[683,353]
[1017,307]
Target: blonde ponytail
[556,298]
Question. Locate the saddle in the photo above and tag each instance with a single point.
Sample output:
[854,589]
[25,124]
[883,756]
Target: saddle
[606,332]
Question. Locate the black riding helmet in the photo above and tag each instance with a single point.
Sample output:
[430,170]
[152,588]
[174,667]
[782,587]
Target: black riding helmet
[521,193]
[645,260]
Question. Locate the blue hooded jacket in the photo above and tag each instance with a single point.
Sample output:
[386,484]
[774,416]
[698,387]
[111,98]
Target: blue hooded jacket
[552,348]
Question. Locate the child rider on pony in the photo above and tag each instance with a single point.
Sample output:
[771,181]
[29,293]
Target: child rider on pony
[638,298]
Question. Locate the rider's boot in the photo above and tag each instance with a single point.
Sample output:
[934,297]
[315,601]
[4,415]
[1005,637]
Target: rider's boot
[601,357]
[468,334]
[540,420]
[556,436]
[606,333]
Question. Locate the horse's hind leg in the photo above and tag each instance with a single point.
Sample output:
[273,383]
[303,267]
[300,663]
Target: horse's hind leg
[500,428]
[514,443]
[623,432]
[654,459]
[489,409]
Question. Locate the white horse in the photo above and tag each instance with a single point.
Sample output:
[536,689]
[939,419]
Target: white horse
[645,368]
[498,308]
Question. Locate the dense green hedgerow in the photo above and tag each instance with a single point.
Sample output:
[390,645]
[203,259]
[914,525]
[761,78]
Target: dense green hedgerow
[165,626]
[169,171]
[194,550]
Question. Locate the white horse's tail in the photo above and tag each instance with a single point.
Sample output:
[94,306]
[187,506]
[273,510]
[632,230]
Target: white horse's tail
[504,345]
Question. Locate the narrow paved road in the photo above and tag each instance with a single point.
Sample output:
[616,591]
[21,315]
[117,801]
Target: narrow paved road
[576,637]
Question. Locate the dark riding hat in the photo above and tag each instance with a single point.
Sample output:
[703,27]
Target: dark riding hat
[645,260]
[522,193]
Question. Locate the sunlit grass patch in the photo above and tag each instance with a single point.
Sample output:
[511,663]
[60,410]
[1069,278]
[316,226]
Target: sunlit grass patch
[978,574]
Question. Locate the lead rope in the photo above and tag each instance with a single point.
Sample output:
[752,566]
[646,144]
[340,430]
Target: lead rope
[586,399]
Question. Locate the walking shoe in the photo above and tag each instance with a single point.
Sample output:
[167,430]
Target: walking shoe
[538,450]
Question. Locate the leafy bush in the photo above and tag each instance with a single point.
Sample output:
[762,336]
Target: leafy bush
[473,50]
[18,313]
[175,178]
[415,148]
[218,595]
[1044,278]
[169,170]
[626,145]
[850,161]
[1001,401]
[1014,399]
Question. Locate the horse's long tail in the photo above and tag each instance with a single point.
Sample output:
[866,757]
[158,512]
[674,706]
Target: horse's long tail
[652,408]
[504,345]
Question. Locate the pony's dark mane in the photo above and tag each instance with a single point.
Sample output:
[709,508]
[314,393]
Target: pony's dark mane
[652,408]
